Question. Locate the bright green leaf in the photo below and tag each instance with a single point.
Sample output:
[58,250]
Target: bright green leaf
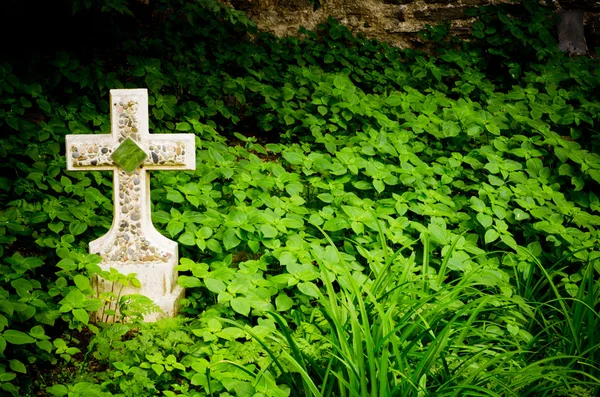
[81,315]
[308,288]
[82,282]
[17,337]
[491,235]
[158,368]
[241,305]
[485,220]
[183,126]
[283,302]
[294,158]
[520,214]
[58,390]
[18,366]
[336,224]
[214,285]
[230,239]
[268,231]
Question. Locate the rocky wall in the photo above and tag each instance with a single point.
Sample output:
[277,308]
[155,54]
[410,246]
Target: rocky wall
[396,22]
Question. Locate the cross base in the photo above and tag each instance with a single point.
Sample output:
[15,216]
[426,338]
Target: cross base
[159,283]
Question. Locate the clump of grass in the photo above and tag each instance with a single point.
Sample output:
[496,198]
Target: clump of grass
[406,332]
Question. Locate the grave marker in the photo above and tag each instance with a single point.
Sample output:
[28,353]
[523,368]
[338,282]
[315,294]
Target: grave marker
[133,245]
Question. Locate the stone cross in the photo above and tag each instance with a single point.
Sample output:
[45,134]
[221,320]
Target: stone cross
[133,245]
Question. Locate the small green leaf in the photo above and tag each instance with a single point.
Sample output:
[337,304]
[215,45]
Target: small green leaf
[485,220]
[58,390]
[187,238]
[595,174]
[158,113]
[77,128]
[513,329]
[214,285]
[362,185]
[161,217]
[183,126]
[378,185]
[283,302]
[174,196]
[491,235]
[308,288]
[37,332]
[17,337]
[66,182]
[240,305]
[520,214]
[56,227]
[82,282]
[44,105]
[289,120]
[174,228]
[77,227]
[60,344]
[474,130]
[154,82]
[437,229]
[254,245]
[231,333]
[8,376]
[158,368]
[201,243]
[339,82]
[495,181]
[213,245]
[477,204]
[336,224]
[534,166]
[44,345]
[294,158]
[81,315]
[268,231]
[394,99]
[509,240]
[499,212]
[188,281]
[230,239]
[18,366]
[326,197]
[492,129]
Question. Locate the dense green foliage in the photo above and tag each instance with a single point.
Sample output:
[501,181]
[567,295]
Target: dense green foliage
[363,221]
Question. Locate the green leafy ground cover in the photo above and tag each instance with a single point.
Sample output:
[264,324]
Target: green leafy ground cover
[363,221]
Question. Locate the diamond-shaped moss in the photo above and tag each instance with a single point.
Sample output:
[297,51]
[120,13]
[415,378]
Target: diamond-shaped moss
[129,155]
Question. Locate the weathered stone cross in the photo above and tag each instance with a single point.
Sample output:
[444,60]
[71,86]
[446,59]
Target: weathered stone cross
[133,245]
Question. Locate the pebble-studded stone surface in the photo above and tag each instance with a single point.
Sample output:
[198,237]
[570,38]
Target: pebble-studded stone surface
[162,151]
[92,154]
[131,244]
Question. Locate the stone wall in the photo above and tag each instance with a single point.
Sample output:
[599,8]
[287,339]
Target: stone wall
[394,21]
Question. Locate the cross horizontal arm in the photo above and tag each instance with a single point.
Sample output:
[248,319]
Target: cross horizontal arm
[171,152]
[90,151]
